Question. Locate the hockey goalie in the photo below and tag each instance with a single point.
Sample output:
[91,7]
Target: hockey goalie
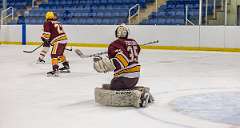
[123,60]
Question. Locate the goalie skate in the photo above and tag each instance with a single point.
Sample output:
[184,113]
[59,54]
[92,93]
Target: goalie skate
[144,99]
[53,74]
[151,99]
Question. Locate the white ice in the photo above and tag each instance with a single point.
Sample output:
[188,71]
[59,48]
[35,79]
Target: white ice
[191,89]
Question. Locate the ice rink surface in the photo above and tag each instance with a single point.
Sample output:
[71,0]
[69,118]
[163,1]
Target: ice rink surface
[191,89]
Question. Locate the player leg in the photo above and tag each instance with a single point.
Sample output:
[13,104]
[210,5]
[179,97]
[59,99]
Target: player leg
[57,51]
[55,71]
[43,53]
[54,60]
[65,63]
[121,83]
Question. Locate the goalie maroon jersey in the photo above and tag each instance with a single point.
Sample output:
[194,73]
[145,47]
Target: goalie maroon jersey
[124,53]
[53,32]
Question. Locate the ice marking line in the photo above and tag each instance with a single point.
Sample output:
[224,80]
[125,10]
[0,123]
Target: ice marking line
[222,108]
[162,121]
[194,89]
[175,91]
[86,102]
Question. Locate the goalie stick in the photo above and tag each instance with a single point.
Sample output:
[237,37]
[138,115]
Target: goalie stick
[82,55]
[41,46]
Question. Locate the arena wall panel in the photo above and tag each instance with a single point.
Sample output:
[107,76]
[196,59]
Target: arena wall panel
[232,35]
[170,37]
[33,33]
[212,36]
[11,33]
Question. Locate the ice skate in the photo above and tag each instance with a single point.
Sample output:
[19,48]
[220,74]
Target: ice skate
[40,61]
[144,99]
[53,74]
[65,68]
[151,99]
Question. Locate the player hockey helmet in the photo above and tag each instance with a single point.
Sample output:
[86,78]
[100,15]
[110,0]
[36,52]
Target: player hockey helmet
[122,31]
[50,15]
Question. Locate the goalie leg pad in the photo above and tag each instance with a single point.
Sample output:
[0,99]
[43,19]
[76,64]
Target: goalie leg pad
[124,98]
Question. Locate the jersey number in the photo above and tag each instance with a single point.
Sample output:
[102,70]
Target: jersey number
[133,53]
[59,28]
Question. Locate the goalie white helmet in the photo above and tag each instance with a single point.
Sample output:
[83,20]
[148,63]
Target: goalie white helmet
[122,31]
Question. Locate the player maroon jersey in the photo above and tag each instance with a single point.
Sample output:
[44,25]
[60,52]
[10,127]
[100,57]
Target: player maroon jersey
[53,32]
[124,53]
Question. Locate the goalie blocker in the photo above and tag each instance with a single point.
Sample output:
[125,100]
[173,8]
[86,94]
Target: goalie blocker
[136,97]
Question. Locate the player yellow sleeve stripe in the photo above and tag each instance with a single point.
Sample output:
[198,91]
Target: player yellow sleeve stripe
[122,59]
[128,70]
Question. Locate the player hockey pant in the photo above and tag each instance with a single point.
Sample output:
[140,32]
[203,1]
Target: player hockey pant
[121,83]
[57,55]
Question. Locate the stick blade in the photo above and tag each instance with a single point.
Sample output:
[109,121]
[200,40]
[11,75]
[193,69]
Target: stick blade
[80,53]
[69,49]
[27,51]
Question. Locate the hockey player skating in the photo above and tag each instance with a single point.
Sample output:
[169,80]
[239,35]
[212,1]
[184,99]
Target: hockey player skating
[123,59]
[54,35]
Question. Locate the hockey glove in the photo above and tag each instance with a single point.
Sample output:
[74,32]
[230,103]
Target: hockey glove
[103,65]
[46,42]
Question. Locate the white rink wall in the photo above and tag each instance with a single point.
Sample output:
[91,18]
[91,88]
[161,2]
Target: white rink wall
[11,33]
[190,36]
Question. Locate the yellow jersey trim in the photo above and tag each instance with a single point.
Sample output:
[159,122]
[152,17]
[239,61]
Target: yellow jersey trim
[128,70]
[122,59]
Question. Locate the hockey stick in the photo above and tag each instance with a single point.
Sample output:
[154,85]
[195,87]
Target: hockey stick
[33,49]
[80,53]
[68,49]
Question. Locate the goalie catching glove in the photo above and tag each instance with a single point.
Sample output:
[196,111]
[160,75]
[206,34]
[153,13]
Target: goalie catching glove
[103,65]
